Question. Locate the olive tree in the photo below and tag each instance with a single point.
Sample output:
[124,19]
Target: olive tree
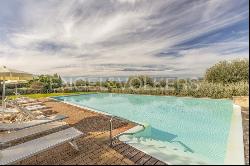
[226,72]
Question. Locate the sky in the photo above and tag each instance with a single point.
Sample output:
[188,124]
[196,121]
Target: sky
[179,38]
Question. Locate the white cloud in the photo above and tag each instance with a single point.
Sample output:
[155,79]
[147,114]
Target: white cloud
[128,1]
[84,36]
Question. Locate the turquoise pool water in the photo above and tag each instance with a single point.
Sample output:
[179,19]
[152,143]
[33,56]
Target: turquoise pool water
[199,126]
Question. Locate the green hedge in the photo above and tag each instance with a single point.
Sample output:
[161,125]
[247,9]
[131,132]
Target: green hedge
[204,89]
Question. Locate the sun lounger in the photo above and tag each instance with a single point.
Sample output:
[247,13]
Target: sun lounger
[36,122]
[8,113]
[24,100]
[23,110]
[31,148]
[9,110]
[27,108]
[43,112]
[33,103]
[7,138]
[35,107]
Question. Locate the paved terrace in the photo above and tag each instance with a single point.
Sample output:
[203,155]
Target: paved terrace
[245,116]
[94,147]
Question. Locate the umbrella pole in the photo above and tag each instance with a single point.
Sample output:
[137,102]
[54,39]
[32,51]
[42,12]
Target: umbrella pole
[3,94]
[3,104]
[16,89]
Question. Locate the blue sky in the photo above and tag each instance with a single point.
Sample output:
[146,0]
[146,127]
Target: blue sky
[122,37]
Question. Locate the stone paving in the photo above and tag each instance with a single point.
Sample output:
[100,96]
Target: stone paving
[245,118]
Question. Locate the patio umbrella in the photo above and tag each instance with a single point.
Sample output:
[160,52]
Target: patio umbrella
[12,74]
[15,82]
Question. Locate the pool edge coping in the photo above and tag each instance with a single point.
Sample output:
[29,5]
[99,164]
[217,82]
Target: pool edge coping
[235,153]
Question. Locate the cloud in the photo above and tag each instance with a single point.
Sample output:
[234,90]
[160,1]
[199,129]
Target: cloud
[122,37]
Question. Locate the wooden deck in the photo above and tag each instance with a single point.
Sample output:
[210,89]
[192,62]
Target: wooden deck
[94,147]
[136,156]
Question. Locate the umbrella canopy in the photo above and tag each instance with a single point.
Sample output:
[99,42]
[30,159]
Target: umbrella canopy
[12,74]
[14,82]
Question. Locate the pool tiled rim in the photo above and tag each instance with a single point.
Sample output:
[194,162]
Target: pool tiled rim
[235,148]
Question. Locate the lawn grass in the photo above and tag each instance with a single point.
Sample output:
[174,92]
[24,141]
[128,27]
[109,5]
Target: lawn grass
[39,95]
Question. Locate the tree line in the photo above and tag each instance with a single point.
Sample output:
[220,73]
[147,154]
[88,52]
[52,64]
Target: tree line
[222,80]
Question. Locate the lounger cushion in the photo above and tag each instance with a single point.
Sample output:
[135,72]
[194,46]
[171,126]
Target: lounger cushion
[25,100]
[23,125]
[34,103]
[31,148]
[17,135]
[35,107]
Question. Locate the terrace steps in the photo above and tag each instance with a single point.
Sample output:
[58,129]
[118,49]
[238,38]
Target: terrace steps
[157,143]
[165,150]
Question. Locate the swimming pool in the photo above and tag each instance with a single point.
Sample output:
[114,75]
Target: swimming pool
[179,130]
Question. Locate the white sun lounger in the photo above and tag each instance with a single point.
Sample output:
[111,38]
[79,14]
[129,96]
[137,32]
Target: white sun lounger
[25,100]
[31,148]
[35,107]
[33,103]
[21,109]
[7,138]
[9,110]
[36,122]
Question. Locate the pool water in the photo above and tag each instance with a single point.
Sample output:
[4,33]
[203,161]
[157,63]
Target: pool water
[195,128]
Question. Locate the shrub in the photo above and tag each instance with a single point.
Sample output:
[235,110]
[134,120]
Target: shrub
[50,82]
[203,89]
[37,85]
[140,81]
[228,72]
[218,90]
